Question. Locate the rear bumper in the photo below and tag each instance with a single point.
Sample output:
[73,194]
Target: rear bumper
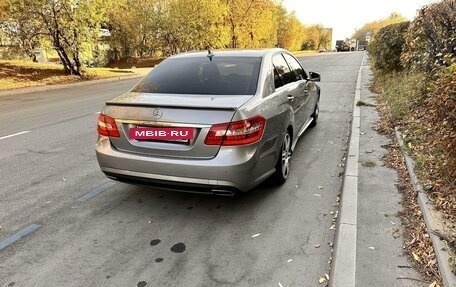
[143,179]
[233,169]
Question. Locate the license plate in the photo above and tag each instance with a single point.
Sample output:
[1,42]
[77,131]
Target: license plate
[172,134]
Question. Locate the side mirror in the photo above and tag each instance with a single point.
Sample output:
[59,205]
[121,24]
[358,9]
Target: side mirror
[314,77]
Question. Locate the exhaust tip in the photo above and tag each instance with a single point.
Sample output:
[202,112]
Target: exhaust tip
[223,192]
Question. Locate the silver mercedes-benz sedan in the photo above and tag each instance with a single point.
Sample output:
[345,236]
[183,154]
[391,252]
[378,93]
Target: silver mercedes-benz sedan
[216,122]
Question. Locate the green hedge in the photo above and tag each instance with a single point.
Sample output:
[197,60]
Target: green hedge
[431,38]
[386,48]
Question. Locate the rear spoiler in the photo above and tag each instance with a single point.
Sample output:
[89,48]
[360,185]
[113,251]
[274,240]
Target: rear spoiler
[145,105]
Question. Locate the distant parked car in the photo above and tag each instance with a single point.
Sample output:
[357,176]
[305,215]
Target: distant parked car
[322,50]
[209,122]
[361,47]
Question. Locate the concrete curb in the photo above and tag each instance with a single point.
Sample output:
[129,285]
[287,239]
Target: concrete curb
[343,269]
[62,86]
[448,277]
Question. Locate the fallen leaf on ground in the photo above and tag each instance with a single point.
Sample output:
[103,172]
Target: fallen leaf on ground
[256,235]
[415,256]
[317,245]
[322,280]
[372,248]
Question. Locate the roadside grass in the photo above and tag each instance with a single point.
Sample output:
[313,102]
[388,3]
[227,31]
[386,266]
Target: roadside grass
[145,62]
[19,74]
[410,103]
[402,91]
[304,53]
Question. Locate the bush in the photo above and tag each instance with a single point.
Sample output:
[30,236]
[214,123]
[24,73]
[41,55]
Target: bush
[442,115]
[387,47]
[431,38]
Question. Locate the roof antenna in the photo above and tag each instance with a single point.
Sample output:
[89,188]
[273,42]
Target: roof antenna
[209,53]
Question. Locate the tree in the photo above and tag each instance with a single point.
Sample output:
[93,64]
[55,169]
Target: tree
[140,28]
[135,27]
[292,33]
[318,36]
[250,23]
[23,33]
[69,24]
[196,25]
[368,30]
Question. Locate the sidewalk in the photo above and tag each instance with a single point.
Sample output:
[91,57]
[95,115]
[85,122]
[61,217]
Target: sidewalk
[378,205]
[368,249]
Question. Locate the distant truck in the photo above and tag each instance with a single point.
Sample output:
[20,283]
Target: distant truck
[347,45]
[341,45]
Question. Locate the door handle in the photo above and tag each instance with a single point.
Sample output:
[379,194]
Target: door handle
[290,98]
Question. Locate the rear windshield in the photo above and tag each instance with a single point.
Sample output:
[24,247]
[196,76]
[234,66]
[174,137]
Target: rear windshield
[200,75]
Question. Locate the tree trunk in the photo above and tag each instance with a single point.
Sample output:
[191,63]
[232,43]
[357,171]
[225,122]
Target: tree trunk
[77,63]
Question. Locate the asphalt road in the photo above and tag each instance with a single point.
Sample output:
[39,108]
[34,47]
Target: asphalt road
[86,230]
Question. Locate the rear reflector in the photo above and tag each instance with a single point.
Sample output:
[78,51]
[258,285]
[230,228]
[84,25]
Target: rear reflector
[236,133]
[107,126]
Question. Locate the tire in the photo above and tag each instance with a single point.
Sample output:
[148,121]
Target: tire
[315,114]
[283,162]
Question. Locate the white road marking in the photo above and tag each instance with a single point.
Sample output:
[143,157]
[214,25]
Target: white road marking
[12,135]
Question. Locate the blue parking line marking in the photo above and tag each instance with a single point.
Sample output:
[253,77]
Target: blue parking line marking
[96,191]
[15,237]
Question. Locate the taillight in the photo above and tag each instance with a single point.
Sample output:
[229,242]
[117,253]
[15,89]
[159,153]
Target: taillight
[236,133]
[107,126]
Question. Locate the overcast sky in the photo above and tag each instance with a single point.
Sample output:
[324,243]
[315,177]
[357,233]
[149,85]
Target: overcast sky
[344,16]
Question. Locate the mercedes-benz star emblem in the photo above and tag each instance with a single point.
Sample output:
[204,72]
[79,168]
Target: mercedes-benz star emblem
[157,113]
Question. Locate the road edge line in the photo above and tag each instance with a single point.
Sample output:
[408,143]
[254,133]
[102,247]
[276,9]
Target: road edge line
[343,269]
[13,135]
[440,250]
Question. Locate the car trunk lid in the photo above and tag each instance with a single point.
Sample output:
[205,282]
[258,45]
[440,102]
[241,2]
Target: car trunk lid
[198,112]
